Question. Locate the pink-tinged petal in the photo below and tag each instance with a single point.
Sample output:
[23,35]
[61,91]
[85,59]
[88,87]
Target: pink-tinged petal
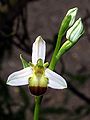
[38,50]
[55,80]
[20,77]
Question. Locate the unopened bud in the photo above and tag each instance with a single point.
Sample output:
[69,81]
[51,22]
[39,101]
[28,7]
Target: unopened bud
[72,12]
[68,21]
[74,33]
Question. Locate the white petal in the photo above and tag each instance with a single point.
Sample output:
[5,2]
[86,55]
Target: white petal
[38,50]
[55,80]
[20,77]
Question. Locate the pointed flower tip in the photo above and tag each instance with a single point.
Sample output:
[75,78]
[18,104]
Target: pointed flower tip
[75,9]
[8,82]
[65,85]
[72,11]
[79,20]
[38,39]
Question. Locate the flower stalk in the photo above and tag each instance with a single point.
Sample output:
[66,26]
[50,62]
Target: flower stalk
[38,100]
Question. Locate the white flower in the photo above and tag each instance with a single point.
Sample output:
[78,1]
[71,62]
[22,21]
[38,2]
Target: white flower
[37,75]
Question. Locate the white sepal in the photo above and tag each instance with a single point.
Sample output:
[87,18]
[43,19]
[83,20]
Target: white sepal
[55,80]
[20,77]
[38,50]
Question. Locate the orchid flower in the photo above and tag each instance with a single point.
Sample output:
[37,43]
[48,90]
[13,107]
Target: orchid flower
[37,76]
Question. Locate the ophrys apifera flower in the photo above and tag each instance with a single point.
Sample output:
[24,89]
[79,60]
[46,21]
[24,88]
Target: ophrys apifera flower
[38,77]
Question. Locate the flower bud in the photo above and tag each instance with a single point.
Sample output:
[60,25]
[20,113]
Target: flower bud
[68,21]
[74,33]
[72,12]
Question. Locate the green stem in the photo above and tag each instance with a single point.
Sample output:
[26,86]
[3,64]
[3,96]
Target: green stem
[36,111]
[63,28]
[53,60]
[37,107]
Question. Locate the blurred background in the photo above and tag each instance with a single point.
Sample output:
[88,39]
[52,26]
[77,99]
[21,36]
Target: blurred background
[21,21]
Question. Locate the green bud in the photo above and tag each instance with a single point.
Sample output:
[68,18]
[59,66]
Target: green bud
[68,20]
[75,32]
[64,25]
[72,12]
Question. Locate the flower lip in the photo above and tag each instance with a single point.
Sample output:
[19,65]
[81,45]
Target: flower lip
[37,90]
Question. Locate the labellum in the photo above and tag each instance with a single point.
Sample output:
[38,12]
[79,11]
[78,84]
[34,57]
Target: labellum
[38,82]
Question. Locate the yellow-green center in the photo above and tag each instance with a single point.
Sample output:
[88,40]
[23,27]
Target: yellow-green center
[38,81]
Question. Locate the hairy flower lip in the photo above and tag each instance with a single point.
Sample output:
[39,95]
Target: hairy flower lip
[21,77]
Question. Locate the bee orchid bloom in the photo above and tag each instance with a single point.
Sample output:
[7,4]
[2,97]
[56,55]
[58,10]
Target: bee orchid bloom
[37,76]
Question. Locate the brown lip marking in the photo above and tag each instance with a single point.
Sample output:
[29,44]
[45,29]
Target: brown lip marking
[37,90]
